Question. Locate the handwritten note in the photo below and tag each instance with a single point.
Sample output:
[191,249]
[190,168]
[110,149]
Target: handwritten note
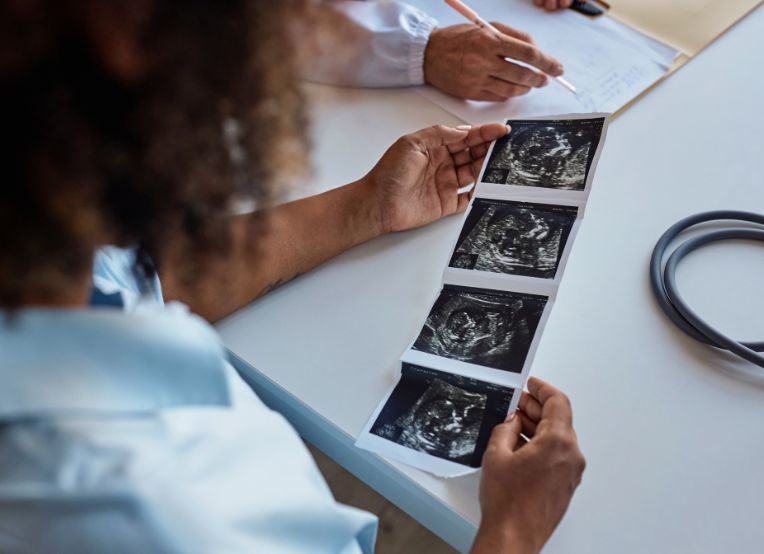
[609,63]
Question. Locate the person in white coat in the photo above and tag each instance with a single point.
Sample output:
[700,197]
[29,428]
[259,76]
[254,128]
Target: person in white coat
[394,44]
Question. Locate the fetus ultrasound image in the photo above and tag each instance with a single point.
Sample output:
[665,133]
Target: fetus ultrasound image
[444,415]
[483,327]
[553,154]
[514,237]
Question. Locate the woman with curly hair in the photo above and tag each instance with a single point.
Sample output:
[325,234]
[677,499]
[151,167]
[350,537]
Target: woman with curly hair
[149,138]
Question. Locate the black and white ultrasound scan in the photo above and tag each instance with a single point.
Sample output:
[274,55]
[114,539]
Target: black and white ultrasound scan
[517,238]
[442,414]
[459,376]
[490,328]
[554,154]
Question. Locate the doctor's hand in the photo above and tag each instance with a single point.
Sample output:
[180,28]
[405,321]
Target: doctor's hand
[553,5]
[527,485]
[467,61]
[416,181]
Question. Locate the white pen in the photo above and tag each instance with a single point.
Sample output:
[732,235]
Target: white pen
[472,15]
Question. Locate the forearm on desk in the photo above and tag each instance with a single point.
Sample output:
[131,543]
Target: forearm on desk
[298,236]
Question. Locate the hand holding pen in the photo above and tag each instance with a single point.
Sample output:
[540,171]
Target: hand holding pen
[487,61]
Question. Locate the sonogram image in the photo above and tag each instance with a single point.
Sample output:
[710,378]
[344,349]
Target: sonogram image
[514,237]
[484,327]
[444,421]
[442,414]
[553,154]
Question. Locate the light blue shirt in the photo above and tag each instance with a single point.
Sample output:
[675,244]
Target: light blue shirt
[126,430]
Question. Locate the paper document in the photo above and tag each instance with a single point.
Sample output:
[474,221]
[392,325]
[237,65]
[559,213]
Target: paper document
[609,63]
[689,25]
[462,374]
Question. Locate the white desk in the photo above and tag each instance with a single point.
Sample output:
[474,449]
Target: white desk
[675,446]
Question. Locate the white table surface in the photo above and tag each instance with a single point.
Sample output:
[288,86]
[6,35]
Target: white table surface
[675,445]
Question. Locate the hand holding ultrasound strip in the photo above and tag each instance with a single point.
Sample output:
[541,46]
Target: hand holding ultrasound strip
[462,373]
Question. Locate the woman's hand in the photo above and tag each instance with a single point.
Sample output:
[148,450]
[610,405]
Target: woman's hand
[526,486]
[417,180]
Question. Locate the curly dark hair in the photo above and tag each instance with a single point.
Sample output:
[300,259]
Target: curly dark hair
[93,158]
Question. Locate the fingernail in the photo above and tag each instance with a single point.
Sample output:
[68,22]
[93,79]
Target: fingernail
[464,127]
[508,128]
[559,69]
[511,417]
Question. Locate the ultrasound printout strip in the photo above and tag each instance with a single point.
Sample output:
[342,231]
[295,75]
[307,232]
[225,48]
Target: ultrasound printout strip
[463,372]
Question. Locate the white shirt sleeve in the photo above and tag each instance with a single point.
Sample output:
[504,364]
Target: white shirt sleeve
[372,44]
